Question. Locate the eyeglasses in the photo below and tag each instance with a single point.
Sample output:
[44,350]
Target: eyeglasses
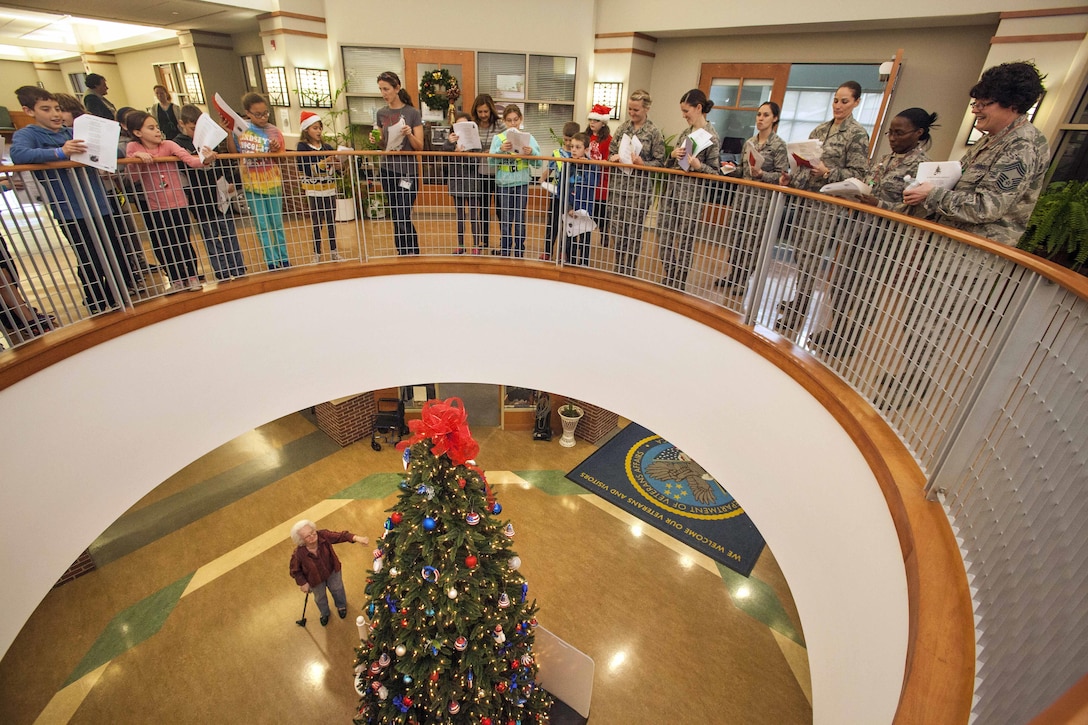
[980,105]
[259,114]
[896,133]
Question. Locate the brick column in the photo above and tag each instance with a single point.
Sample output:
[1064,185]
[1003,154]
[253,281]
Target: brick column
[349,419]
[596,423]
[83,565]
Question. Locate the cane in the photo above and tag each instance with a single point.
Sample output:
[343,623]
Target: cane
[302,622]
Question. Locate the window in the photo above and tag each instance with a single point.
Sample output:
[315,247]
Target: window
[541,85]
[1070,155]
[812,86]
[361,69]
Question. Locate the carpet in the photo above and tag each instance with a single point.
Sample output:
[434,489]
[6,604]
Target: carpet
[652,479]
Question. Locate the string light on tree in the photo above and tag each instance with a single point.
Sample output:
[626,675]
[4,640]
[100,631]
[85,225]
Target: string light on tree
[457,637]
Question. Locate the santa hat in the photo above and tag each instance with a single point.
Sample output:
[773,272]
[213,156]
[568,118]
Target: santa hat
[600,112]
[307,119]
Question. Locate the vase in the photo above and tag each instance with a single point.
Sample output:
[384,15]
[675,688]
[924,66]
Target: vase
[570,423]
[345,209]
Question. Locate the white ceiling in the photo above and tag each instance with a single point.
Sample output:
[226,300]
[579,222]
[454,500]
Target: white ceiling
[44,30]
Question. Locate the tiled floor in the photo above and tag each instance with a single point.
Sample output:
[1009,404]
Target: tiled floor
[191,616]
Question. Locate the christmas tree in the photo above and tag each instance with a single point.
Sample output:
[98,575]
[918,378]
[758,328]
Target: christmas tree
[450,636]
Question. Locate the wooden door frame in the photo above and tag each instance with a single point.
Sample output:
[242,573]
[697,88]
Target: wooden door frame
[465,58]
[779,73]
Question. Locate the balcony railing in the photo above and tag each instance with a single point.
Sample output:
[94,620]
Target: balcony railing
[972,352]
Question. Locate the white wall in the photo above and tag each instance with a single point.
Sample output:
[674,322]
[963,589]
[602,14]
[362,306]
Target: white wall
[119,430]
[16,73]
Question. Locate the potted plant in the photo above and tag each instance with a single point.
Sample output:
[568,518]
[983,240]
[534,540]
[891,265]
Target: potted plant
[1058,227]
[569,415]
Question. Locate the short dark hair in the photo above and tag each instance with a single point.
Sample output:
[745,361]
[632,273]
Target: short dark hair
[190,113]
[93,80]
[570,128]
[1016,85]
[855,88]
[70,104]
[920,118]
[252,98]
[582,138]
[30,95]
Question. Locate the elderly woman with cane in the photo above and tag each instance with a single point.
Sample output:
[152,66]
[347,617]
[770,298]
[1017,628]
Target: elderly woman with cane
[315,566]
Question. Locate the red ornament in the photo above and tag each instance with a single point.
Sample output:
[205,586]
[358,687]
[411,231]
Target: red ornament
[461,482]
[404,622]
[434,677]
[471,561]
[407,701]
[396,518]
[485,721]
[514,664]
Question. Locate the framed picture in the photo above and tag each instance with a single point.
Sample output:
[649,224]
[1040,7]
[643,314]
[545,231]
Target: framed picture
[439,134]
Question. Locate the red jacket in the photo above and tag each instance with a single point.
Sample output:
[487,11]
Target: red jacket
[312,569]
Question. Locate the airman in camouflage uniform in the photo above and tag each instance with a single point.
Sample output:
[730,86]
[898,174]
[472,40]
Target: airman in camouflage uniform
[682,208]
[630,195]
[1002,177]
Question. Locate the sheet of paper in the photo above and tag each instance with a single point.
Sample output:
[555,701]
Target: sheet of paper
[579,222]
[518,139]
[229,115]
[3,148]
[394,135]
[225,193]
[802,154]
[630,147]
[944,174]
[847,188]
[549,187]
[755,159]
[700,139]
[101,136]
[208,134]
[468,135]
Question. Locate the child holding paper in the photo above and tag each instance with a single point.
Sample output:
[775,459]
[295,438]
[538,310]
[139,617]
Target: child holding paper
[217,227]
[512,176]
[319,181]
[262,180]
[698,151]
[581,182]
[165,197]
[48,141]
[600,139]
[552,178]
[463,177]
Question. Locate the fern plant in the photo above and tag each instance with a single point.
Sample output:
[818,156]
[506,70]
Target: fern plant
[1058,226]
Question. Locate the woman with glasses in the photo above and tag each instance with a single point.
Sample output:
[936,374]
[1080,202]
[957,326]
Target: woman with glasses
[852,298]
[632,189]
[402,130]
[844,154]
[1003,173]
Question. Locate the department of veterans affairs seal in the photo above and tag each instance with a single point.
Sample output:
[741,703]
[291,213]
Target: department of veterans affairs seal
[669,479]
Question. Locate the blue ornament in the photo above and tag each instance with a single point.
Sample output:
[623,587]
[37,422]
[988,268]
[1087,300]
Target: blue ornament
[388,524]
[428,524]
[430,612]
[496,508]
[407,679]
[407,456]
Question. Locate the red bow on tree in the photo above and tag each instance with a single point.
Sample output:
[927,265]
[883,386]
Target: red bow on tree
[446,424]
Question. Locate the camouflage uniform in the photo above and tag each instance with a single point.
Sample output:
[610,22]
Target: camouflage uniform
[682,209]
[775,159]
[845,153]
[630,195]
[1002,177]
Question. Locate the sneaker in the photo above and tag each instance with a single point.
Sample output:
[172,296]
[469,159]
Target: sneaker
[335,256]
[194,283]
[545,257]
[475,250]
[459,250]
[317,259]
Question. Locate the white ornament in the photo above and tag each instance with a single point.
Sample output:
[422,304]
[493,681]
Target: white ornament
[515,562]
[393,571]
[378,565]
[400,650]
[452,593]
[383,692]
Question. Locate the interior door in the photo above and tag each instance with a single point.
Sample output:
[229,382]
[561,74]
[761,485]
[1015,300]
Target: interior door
[737,90]
[460,63]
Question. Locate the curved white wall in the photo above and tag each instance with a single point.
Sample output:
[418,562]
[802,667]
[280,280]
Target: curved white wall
[86,438]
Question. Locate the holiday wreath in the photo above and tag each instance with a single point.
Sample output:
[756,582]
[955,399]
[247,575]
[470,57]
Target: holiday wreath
[438,90]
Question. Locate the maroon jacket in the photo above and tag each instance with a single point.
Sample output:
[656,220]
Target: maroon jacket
[312,569]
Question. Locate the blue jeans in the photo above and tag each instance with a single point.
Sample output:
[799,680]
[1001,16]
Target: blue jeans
[221,241]
[512,202]
[335,584]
